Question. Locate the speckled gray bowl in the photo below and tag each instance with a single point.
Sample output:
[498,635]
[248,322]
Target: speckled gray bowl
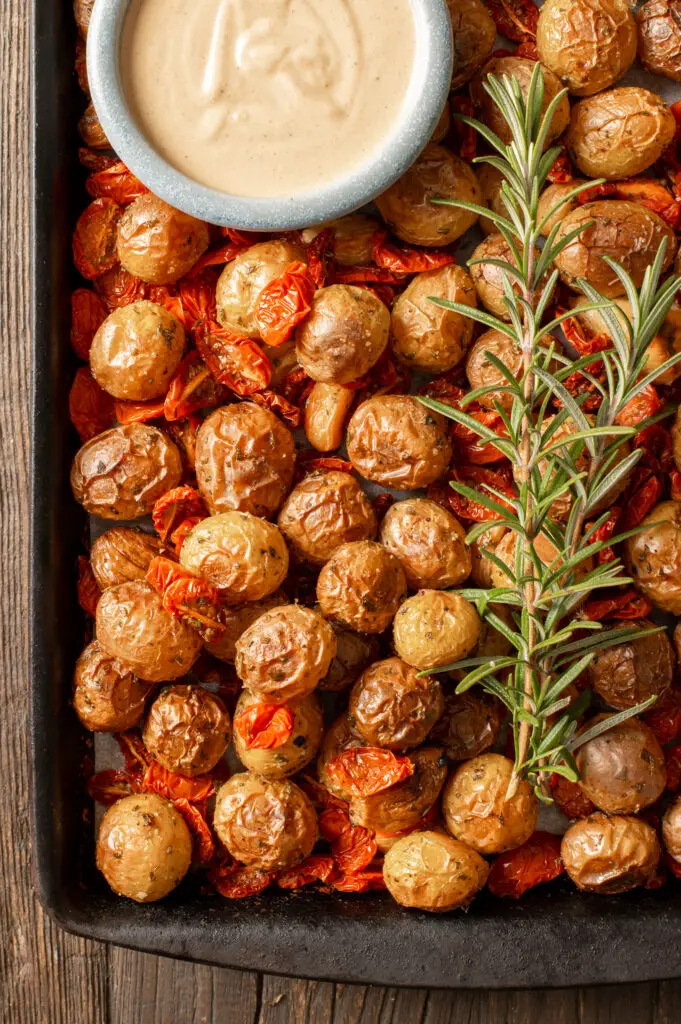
[422,109]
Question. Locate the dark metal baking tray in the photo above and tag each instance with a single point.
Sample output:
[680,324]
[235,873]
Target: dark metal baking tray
[554,937]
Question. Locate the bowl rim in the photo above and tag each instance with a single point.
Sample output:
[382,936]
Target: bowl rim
[422,109]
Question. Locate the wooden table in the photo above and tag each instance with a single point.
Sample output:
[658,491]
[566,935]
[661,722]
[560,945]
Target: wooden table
[49,977]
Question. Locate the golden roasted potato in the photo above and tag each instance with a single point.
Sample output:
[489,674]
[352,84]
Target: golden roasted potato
[427,337]
[187,730]
[361,586]
[144,848]
[236,619]
[521,69]
[265,823]
[323,512]
[391,706]
[157,242]
[610,854]
[121,473]
[355,651]
[134,627]
[481,567]
[622,770]
[588,44]
[488,278]
[403,805]
[432,871]
[285,653]
[289,757]
[245,459]
[435,628]
[632,671]
[491,181]
[437,174]
[136,351]
[549,199]
[671,829]
[326,410]
[653,557]
[619,133]
[482,373]
[627,232]
[468,725]
[659,37]
[474,33]
[429,542]
[243,279]
[396,441]
[123,554]
[353,238]
[443,126]
[107,696]
[476,808]
[242,555]
[90,129]
[344,334]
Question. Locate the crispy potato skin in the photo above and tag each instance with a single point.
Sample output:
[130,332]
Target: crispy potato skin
[361,586]
[477,812]
[326,410]
[610,854]
[325,511]
[488,278]
[243,279]
[429,542]
[157,242]
[622,770]
[123,554]
[187,730]
[653,557]
[619,133]
[588,44]
[134,627]
[136,351]
[482,373]
[671,829]
[245,459]
[659,37]
[521,69]
[143,848]
[345,333]
[550,197]
[265,823]
[391,706]
[427,337]
[355,651]
[403,806]
[406,208]
[242,555]
[106,695]
[285,653]
[627,232]
[433,872]
[121,473]
[299,749]
[236,619]
[629,673]
[395,441]
[474,33]
[434,628]
[468,725]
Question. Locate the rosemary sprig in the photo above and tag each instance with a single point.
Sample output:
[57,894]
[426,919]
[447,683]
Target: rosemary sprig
[552,645]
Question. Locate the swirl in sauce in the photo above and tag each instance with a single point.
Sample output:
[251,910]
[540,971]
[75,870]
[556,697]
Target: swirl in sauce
[267,97]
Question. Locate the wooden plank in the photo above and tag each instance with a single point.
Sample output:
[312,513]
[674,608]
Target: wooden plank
[290,1001]
[366,1004]
[617,1004]
[145,989]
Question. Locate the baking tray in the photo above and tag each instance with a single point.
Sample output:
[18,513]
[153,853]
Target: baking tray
[554,937]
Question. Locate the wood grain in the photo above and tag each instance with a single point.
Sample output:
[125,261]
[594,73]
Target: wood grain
[49,977]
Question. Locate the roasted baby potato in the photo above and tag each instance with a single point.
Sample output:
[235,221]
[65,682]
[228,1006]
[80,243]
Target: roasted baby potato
[653,557]
[429,542]
[482,373]
[361,586]
[488,278]
[157,242]
[245,459]
[610,854]
[355,651]
[435,628]
[468,725]
[121,473]
[427,337]
[326,411]
[344,334]
[325,511]
[474,33]
[403,805]
[137,350]
[521,69]
[278,762]
[547,214]
[107,696]
[144,848]
[432,871]
[622,770]
[243,279]
[353,238]
[123,554]
[632,671]
[236,619]
[588,44]
[437,174]
[659,37]
[392,706]
[187,730]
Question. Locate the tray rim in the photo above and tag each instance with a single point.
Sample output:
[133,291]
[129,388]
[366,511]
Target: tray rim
[631,938]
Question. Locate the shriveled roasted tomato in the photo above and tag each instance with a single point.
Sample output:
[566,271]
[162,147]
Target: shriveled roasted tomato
[192,387]
[364,771]
[367,275]
[115,182]
[174,507]
[138,412]
[88,312]
[605,532]
[407,261]
[135,754]
[283,303]
[647,403]
[119,288]
[673,761]
[110,785]
[88,588]
[624,603]
[561,173]
[290,413]
[172,786]
[664,718]
[475,477]
[320,256]
[235,882]
[238,363]
[364,881]
[197,296]
[536,861]
[218,255]
[204,844]
[318,867]
[265,726]
[353,846]
[94,240]
[644,191]
[92,160]
[183,433]
[515,19]
[570,798]
[90,407]
[465,135]
[187,597]
[643,492]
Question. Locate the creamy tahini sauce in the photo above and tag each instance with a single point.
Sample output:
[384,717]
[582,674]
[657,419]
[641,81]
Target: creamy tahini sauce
[267,97]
